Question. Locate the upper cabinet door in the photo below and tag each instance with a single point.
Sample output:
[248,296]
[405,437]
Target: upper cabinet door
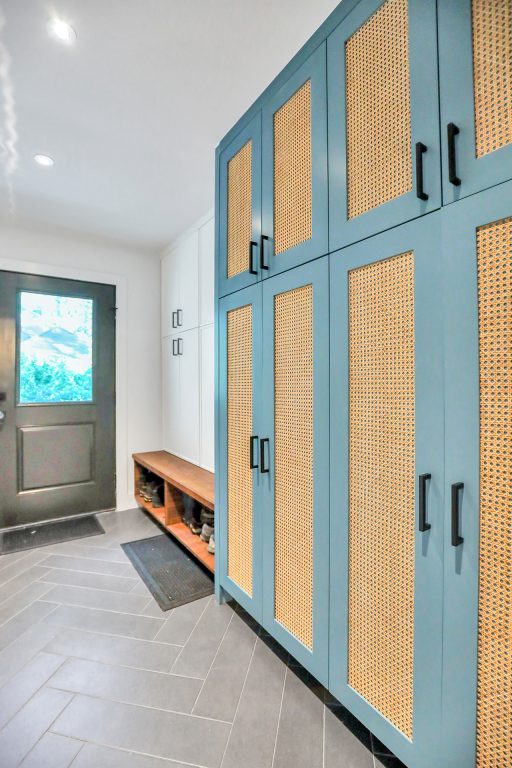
[240,210]
[475,60]
[294,228]
[384,156]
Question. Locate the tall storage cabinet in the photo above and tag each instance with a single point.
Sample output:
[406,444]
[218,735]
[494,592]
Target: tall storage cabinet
[364,371]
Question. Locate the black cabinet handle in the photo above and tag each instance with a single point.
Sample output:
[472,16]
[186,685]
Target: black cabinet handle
[263,469]
[252,269]
[456,538]
[180,346]
[420,151]
[174,348]
[453,131]
[423,525]
[173,319]
[263,263]
[253,463]
[179,314]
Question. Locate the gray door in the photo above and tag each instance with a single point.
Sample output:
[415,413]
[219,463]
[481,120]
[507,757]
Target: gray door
[57,398]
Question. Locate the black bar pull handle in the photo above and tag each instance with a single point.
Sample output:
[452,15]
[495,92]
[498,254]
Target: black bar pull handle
[453,131]
[179,317]
[420,151]
[263,263]
[456,538]
[180,346]
[252,269]
[174,319]
[253,463]
[423,525]
[263,469]
[174,353]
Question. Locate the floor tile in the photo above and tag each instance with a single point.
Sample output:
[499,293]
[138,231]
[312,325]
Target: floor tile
[22,562]
[9,588]
[124,651]
[140,588]
[96,598]
[52,751]
[91,552]
[24,648]
[14,628]
[153,609]
[202,645]
[300,733]
[71,563]
[106,622]
[150,731]
[24,684]
[25,729]
[252,739]
[178,627]
[130,686]
[21,600]
[223,685]
[92,580]
[341,739]
[94,756]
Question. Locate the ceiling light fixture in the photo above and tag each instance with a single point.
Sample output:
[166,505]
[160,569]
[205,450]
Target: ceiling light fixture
[44,160]
[61,30]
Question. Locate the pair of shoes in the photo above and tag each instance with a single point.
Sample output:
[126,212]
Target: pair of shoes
[192,514]
[206,532]
[207,516]
[156,495]
[211,544]
[144,486]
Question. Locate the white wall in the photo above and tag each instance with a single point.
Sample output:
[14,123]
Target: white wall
[138,356]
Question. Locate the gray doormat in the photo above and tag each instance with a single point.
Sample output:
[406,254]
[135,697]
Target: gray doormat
[44,534]
[172,577]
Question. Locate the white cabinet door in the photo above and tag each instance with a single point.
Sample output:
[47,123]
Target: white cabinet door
[189,396]
[170,291]
[171,394]
[207,422]
[188,257]
[206,272]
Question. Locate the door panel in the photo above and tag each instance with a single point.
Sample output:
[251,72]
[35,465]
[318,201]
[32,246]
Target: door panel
[171,394]
[57,373]
[188,278]
[475,51]
[188,398]
[207,367]
[295,169]
[295,387]
[239,557]
[477,236]
[387,431]
[240,210]
[382,68]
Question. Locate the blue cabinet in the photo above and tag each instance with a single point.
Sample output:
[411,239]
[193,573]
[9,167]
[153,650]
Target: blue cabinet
[384,156]
[387,484]
[475,52]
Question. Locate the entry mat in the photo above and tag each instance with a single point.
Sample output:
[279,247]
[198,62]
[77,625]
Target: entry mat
[44,534]
[172,577]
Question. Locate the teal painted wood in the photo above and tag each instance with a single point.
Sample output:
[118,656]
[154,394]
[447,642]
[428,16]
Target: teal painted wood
[460,222]
[252,131]
[315,274]
[424,126]
[314,70]
[457,106]
[423,237]
[219,596]
[253,604]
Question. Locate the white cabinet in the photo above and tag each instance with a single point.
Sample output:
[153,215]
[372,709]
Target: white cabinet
[206,272]
[180,286]
[207,421]
[181,400]
[171,388]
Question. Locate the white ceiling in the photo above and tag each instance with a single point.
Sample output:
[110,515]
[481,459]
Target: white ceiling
[133,111]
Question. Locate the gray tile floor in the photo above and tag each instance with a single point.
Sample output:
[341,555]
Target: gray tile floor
[94,675]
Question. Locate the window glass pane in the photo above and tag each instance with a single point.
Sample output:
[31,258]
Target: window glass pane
[55,344]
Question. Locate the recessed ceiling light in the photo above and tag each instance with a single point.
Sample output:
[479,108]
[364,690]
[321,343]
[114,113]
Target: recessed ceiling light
[44,160]
[61,30]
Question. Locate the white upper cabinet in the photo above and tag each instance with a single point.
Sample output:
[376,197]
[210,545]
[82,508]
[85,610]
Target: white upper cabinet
[180,286]
[206,272]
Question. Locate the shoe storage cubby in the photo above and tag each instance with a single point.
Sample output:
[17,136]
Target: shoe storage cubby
[176,477]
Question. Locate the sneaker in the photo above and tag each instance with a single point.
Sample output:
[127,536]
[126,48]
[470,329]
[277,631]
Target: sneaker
[192,514]
[207,516]
[211,544]
[206,532]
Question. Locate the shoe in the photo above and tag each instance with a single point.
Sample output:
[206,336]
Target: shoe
[207,516]
[211,544]
[156,496]
[206,532]
[192,514]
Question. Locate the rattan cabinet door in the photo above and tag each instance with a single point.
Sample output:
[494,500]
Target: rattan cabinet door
[238,261]
[386,397]
[239,509]
[477,654]
[294,202]
[295,460]
[475,67]
[384,156]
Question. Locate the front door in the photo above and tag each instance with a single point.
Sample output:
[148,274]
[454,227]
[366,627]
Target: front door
[57,398]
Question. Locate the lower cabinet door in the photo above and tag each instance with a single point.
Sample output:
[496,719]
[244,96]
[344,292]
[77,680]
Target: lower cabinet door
[387,481]
[294,462]
[188,400]
[239,567]
[170,394]
[477,654]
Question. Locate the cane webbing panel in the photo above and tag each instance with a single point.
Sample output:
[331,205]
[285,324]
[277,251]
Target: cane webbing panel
[492,73]
[381,495]
[293,360]
[494,721]
[379,164]
[239,393]
[293,191]
[239,210]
